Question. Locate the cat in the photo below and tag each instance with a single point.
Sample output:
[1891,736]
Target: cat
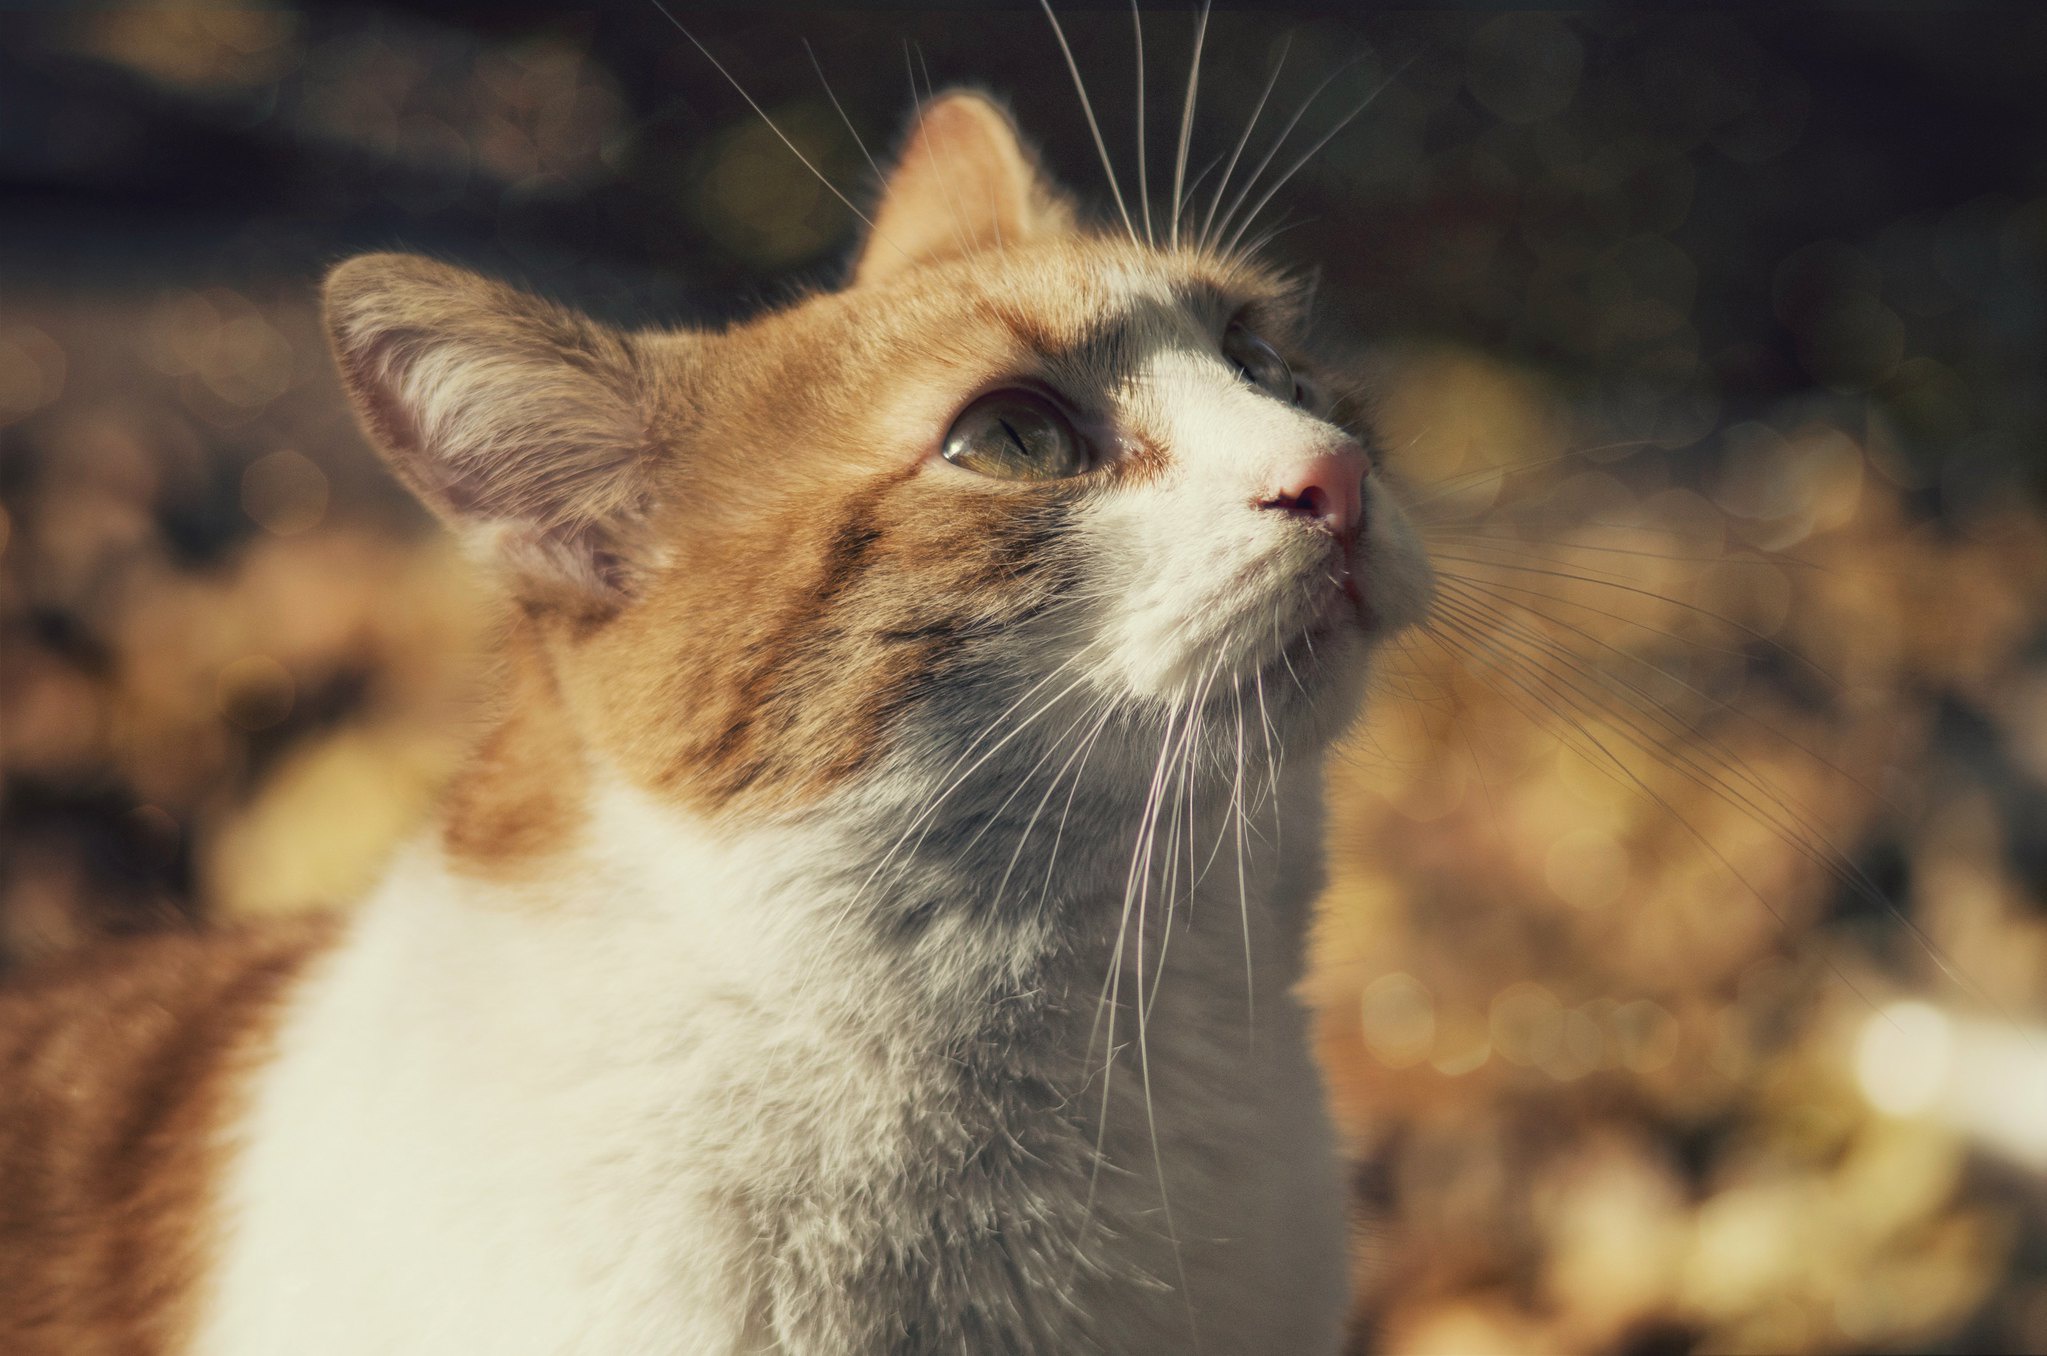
[870,922]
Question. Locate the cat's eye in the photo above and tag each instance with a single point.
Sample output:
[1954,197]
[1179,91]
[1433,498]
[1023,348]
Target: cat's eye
[1015,435]
[1260,364]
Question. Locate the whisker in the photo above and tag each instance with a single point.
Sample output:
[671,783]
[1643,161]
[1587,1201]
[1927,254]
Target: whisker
[1280,141]
[994,817]
[1110,999]
[1641,699]
[1101,147]
[1191,731]
[1719,781]
[1440,489]
[1510,549]
[1638,591]
[1143,175]
[780,135]
[851,130]
[1257,109]
[1187,119]
[1619,768]
[1314,151]
[1059,831]
[929,96]
[1271,762]
[1183,794]
[1258,243]
[1511,594]
[955,782]
[1214,162]
[1530,543]
[1106,709]
[1237,823]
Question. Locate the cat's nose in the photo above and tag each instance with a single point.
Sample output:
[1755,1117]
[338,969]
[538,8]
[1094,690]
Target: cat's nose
[1327,488]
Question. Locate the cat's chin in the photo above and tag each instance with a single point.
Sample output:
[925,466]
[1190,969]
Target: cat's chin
[1321,673]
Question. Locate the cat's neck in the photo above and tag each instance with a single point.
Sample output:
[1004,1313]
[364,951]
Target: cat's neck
[1013,868]
[523,799]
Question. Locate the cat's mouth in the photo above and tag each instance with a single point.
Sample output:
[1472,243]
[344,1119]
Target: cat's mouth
[1324,622]
[1353,558]
[1338,608]
[1348,605]
[1300,616]
[1345,589]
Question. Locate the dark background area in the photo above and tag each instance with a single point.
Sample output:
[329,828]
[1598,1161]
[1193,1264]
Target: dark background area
[1832,193]
[1715,340]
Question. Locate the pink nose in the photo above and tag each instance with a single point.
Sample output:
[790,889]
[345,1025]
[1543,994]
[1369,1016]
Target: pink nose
[1327,488]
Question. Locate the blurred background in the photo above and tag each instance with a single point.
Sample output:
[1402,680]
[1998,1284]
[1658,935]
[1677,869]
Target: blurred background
[1681,977]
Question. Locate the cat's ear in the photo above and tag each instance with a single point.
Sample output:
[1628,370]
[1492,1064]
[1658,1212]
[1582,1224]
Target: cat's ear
[963,183]
[522,424]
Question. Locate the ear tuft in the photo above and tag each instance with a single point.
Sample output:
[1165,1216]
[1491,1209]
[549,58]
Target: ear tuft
[964,183]
[519,422]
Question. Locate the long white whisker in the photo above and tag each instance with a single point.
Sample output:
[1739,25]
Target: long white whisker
[1243,888]
[1081,746]
[1143,174]
[1272,760]
[783,137]
[1314,151]
[1646,724]
[953,783]
[1144,1002]
[1110,998]
[1187,119]
[1183,795]
[1280,141]
[1257,110]
[1101,147]
[1473,644]
[1634,590]
[851,130]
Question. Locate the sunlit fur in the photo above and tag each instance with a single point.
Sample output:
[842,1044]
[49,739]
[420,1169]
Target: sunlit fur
[872,922]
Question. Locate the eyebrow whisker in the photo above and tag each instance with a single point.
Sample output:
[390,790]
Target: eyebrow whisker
[1087,107]
[1187,119]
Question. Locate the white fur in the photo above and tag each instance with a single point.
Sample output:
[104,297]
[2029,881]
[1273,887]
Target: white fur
[532,1120]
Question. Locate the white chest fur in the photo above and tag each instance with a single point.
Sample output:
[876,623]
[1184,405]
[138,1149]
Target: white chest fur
[675,1099]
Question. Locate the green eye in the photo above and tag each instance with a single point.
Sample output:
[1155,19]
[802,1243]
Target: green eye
[1015,435]
[1260,364]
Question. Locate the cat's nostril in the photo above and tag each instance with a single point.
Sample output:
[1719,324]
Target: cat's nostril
[1326,489]
[1311,502]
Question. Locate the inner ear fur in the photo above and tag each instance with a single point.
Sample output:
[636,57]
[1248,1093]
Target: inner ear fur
[964,182]
[521,423]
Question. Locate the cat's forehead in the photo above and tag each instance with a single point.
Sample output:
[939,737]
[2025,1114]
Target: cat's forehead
[1069,298]
[1094,304]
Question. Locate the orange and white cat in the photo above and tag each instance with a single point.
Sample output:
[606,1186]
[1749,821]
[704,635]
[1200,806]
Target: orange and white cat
[871,923]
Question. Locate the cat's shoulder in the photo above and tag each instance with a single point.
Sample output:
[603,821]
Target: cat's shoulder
[118,1066]
[122,989]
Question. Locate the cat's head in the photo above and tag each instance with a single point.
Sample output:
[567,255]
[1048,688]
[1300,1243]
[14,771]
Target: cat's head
[1015,463]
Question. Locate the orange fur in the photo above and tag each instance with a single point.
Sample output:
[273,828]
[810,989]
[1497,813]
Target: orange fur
[522,795]
[118,1071]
